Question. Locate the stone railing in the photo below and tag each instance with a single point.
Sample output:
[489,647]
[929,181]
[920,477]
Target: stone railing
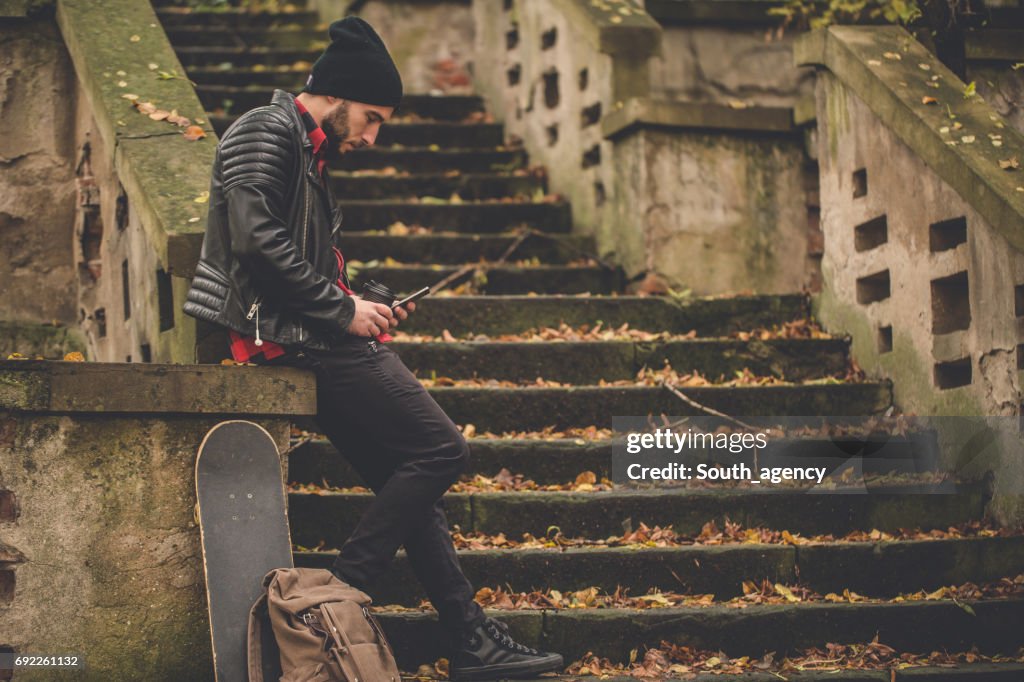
[100,553]
[551,70]
[128,188]
[675,142]
[923,221]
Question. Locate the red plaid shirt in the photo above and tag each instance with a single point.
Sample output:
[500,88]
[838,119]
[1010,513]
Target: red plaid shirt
[244,348]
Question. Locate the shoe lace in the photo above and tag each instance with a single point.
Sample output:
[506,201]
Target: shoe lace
[499,631]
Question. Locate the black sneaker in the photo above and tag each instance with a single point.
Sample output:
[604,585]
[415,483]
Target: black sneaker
[489,653]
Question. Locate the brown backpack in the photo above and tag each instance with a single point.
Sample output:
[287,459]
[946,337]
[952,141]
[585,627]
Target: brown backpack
[322,628]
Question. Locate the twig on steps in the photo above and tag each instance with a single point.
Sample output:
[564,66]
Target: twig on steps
[481,266]
[703,408]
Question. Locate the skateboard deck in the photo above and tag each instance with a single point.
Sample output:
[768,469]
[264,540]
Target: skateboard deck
[243,523]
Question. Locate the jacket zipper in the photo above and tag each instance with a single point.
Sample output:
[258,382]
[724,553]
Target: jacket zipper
[254,309]
[305,232]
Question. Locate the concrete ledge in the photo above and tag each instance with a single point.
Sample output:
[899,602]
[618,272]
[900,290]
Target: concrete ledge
[162,172]
[894,87]
[131,388]
[640,113]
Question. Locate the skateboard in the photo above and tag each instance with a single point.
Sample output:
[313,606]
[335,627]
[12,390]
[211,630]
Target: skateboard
[243,524]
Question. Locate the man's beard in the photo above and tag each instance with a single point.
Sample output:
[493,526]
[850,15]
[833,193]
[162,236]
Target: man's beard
[336,130]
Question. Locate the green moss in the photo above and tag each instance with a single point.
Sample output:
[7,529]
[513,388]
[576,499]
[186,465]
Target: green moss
[897,77]
[969,448]
[112,46]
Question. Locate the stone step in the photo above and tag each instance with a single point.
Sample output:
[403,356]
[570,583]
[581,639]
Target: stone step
[463,315]
[427,160]
[247,36]
[287,77]
[531,408]
[441,133]
[469,186]
[559,461]
[534,408]
[318,462]
[505,279]
[418,134]
[586,362]
[753,631]
[452,108]
[231,17]
[965,672]
[476,217]
[331,517]
[871,569]
[241,58]
[453,248]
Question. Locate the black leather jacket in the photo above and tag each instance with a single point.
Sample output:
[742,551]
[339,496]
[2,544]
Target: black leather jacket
[266,265]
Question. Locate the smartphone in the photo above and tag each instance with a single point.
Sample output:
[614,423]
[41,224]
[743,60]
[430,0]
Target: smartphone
[412,297]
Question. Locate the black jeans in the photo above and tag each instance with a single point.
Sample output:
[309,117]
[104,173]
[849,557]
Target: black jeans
[407,450]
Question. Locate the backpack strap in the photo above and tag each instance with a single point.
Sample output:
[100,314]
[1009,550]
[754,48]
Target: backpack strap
[341,641]
[257,615]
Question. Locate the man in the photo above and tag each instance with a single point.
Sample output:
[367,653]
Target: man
[269,272]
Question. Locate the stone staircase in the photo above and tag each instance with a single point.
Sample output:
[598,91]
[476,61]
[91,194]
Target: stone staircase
[442,165]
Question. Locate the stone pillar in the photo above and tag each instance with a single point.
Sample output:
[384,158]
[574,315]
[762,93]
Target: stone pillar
[100,553]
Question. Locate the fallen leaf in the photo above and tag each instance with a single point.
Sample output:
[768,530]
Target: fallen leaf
[929,100]
[74,357]
[1009,164]
[193,133]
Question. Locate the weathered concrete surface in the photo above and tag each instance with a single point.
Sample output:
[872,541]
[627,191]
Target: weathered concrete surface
[431,42]
[755,67]
[106,504]
[108,530]
[37,189]
[908,175]
[709,212]
[139,180]
[898,89]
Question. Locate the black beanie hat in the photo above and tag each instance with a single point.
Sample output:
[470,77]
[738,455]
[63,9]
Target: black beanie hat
[356,66]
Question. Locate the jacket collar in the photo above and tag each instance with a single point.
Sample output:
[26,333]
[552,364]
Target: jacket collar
[286,101]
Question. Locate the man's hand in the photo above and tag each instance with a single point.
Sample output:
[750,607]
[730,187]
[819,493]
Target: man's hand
[402,311]
[371,318]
